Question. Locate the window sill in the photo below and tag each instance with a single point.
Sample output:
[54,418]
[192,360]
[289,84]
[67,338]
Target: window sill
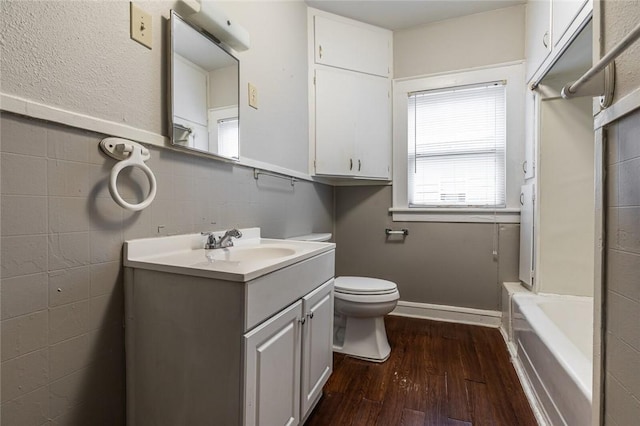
[455,215]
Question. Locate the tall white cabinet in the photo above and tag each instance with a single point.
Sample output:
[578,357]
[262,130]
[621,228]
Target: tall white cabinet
[350,92]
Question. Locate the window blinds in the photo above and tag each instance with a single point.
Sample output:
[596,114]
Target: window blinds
[228,137]
[456,146]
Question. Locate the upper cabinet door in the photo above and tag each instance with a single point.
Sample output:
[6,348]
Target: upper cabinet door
[538,35]
[353,46]
[564,13]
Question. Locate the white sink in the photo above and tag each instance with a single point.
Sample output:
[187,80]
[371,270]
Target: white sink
[249,258]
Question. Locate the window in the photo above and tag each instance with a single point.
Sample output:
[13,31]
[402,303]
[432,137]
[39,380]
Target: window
[228,137]
[456,146]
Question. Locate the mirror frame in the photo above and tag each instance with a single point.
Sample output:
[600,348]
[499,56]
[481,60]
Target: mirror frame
[171,86]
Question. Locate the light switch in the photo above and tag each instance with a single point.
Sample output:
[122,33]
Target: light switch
[253,96]
[141,30]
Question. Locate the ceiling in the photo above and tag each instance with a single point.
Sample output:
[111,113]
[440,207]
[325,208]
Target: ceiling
[400,14]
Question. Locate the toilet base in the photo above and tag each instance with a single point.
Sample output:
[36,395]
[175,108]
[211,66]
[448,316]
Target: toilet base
[363,338]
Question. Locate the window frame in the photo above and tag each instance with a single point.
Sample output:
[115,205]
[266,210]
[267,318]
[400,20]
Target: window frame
[513,74]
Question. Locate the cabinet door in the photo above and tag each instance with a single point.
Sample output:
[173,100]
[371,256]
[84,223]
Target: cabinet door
[353,124]
[373,143]
[352,46]
[531,129]
[563,14]
[317,344]
[526,233]
[272,370]
[538,37]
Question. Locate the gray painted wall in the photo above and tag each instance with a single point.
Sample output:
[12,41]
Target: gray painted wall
[622,260]
[61,241]
[440,263]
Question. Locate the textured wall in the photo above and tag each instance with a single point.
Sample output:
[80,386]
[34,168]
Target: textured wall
[440,263]
[61,240]
[78,56]
[470,41]
[619,17]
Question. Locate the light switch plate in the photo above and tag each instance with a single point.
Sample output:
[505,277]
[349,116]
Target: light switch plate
[253,96]
[141,30]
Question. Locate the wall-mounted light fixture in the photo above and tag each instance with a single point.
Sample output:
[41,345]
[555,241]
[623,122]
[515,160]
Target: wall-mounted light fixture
[212,18]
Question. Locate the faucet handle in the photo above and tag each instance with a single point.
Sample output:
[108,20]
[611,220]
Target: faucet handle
[211,240]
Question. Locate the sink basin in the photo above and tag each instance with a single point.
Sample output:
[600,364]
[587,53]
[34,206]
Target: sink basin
[249,258]
[248,254]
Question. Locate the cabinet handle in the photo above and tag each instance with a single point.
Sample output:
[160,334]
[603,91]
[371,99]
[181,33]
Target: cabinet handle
[524,166]
[302,320]
[522,198]
[350,163]
[320,51]
[545,39]
[359,165]
[310,315]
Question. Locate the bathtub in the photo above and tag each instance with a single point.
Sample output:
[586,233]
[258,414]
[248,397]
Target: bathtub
[553,338]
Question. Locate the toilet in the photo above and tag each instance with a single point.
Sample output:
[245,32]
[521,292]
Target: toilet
[360,304]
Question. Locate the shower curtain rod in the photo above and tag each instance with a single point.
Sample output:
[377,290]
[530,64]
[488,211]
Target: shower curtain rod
[571,89]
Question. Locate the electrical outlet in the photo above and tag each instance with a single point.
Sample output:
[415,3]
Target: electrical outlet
[141,30]
[253,96]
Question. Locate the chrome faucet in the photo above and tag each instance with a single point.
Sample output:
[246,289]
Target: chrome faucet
[222,242]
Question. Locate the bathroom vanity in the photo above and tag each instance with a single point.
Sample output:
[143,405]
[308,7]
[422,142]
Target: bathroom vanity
[233,336]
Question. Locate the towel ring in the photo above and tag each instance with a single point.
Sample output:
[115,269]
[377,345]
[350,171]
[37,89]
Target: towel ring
[128,154]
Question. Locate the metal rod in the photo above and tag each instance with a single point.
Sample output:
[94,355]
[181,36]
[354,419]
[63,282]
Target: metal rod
[403,232]
[606,59]
[257,173]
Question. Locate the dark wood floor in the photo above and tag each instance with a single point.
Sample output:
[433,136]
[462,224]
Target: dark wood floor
[438,374]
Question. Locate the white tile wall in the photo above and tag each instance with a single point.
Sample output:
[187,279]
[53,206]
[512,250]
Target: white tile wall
[622,322]
[61,292]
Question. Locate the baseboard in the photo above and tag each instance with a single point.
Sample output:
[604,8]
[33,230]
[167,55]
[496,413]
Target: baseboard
[446,313]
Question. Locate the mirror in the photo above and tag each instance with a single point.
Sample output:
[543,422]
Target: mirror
[203,105]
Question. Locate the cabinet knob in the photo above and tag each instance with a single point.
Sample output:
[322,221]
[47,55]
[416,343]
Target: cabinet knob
[310,315]
[302,320]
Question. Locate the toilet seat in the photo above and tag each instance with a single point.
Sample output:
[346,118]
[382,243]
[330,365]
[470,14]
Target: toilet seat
[361,286]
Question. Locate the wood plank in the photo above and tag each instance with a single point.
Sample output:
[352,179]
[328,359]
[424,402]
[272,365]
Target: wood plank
[458,404]
[436,398]
[368,412]
[412,418]
[328,407]
[482,411]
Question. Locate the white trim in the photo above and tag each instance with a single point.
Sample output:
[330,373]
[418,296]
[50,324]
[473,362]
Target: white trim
[624,106]
[34,109]
[29,108]
[462,215]
[447,313]
[513,72]
[527,387]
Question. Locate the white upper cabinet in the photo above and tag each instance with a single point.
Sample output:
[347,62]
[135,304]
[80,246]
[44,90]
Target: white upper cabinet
[353,127]
[352,46]
[551,27]
[564,13]
[538,35]
[350,98]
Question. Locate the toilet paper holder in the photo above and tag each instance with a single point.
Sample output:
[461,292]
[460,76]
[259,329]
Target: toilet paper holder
[128,154]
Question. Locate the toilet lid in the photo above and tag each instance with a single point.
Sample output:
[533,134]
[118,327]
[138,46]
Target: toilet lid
[363,285]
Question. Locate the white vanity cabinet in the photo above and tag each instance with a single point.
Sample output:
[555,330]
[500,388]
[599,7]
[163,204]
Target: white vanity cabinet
[288,359]
[215,342]
[538,35]
[350,98]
